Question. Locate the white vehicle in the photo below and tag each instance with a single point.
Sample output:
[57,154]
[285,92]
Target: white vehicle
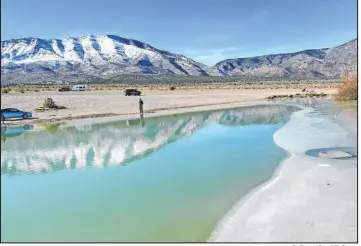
[80,88]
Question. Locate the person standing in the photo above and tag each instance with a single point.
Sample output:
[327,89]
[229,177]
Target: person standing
[141,105]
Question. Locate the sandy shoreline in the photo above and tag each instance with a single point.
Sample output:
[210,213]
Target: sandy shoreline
[308,199]
[95,104]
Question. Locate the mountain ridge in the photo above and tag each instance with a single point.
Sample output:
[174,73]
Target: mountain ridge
[301,63]
[273,54]
[104,56]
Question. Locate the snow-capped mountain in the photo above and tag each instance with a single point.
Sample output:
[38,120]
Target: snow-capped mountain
[103,56]
[329,62]
[32,60]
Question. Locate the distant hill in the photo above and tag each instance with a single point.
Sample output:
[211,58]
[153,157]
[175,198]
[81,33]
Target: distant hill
[318,63]
[103,57]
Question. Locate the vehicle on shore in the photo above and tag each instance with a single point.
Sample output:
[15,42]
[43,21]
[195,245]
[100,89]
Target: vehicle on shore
[132,92]
[80,88]
[8,113]
[64,88]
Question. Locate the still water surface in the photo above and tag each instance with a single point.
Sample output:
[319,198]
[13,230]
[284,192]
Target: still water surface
[157,179]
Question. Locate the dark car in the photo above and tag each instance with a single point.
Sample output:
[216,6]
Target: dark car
[132,92]
[65,88]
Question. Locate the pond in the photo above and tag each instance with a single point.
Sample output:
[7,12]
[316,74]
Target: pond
[164,179]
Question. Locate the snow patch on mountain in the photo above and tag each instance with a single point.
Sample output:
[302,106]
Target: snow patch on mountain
[104,56]
[99,55]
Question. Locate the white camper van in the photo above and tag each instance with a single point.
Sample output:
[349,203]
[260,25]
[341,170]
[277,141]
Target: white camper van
[80,88]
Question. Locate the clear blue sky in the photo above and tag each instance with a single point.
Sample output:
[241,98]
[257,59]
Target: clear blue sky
[205,30]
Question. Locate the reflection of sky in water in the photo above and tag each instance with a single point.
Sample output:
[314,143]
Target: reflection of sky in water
[114,143]
[178,192]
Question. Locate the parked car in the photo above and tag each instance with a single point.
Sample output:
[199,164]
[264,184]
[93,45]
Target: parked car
[65,88]
[132,92]
[80,88]
[7,113]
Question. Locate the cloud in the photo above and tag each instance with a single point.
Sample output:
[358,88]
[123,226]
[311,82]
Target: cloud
[210,56]
[212,59]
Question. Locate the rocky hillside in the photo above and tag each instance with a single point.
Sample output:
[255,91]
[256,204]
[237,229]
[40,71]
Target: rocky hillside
[318,63]
[89,58]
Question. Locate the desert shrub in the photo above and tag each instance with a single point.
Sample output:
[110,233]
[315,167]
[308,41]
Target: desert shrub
[21,90]
[5,90]
[48,103]
[347,90]
[172,88]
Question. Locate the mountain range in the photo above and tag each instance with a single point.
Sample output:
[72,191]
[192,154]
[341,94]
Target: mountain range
[33,60]
[328,62]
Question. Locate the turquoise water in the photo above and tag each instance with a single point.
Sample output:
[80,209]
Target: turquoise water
[165,179]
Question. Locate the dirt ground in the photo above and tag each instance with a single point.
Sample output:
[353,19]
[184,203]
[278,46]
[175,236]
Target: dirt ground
[106,103]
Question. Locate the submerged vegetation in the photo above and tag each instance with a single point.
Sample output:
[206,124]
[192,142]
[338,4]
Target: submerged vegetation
[51,127]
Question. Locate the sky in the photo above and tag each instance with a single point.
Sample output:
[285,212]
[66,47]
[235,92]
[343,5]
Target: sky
[207,31]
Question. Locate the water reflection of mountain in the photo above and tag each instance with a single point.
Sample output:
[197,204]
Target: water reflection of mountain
[116,143]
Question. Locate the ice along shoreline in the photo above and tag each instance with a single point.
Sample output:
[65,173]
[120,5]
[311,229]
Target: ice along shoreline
[308,199]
